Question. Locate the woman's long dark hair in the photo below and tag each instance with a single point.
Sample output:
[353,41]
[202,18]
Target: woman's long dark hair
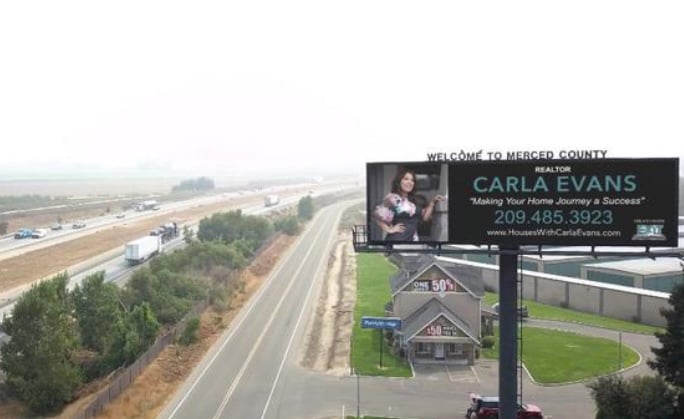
[396,183]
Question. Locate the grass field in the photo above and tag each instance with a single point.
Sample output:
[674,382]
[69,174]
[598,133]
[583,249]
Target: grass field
[373,292]
[548,312]
[553,356]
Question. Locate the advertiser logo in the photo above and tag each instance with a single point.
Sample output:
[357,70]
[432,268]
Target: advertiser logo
[649,231]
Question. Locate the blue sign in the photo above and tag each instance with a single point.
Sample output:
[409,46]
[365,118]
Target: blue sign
[368,322]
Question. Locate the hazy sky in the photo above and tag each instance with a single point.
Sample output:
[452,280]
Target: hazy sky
[252,86]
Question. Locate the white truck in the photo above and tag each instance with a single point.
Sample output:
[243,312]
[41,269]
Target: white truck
[271,200]
[142,249]
[150,204]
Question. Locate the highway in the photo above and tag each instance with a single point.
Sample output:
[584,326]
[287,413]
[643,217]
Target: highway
[10,247]
[113,262]
[241,376]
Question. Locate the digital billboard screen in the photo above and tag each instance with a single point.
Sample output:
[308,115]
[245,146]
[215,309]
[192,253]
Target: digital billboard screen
[608,202]
[602,202]
[407,202]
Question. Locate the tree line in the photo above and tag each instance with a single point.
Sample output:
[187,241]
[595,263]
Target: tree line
[61,338]
[194,185]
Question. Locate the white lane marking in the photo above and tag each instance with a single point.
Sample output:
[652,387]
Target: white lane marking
[326,251]
[256,345]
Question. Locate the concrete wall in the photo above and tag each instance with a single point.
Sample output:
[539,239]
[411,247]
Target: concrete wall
[650,310]
[621,305]
[550,292]
[615,301]
[584,298]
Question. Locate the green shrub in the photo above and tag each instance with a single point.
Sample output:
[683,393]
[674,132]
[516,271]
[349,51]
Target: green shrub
[190,332]
[288,225]
[488,342]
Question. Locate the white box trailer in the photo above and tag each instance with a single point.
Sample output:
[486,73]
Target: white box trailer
[271,200]
[150,204]
[142,249]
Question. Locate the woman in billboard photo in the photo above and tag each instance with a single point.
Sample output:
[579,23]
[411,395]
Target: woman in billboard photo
[402,210]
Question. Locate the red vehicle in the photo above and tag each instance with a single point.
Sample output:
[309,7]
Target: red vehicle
[488,408]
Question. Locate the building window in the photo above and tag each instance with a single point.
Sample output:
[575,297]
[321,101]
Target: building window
[422,348]
[455,349]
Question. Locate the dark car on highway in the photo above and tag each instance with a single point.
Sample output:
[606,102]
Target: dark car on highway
[522,310]
[488,408]
[23,233]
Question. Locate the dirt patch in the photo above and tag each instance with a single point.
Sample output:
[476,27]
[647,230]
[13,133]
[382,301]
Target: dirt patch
[328,333]
[155,387]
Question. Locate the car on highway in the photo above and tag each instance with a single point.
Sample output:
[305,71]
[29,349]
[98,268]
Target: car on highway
[487,407]
[39,233]
[56,227]
[522,310]
[78,224]
[23,233]
[121,215]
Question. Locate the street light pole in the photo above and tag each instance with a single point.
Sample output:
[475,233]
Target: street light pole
[355,372]
[619,351]
[358,396]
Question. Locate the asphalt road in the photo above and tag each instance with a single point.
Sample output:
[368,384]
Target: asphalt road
[243,376]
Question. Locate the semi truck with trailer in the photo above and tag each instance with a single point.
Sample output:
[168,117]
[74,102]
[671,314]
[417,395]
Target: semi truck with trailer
[167,231]
[271,200]
[141,249]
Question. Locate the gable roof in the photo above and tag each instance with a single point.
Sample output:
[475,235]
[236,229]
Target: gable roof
[467,276]
[430,312]
[411,261]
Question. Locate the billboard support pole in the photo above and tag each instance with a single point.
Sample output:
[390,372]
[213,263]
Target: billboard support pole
[508,331]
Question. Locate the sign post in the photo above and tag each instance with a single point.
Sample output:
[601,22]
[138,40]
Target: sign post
[381,323]
[381,345]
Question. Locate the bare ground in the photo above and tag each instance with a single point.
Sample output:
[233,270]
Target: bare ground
[328,333]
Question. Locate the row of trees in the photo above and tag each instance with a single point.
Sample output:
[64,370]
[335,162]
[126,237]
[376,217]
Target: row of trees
[650,397]
[195,185]
[62,338]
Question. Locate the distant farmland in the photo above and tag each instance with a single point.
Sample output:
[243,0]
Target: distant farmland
[90,187]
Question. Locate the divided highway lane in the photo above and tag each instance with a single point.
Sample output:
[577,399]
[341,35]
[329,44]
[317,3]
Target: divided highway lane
[10,247]
[240,377]
[113,262]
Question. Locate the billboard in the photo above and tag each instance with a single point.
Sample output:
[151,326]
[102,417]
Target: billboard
[606,202]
